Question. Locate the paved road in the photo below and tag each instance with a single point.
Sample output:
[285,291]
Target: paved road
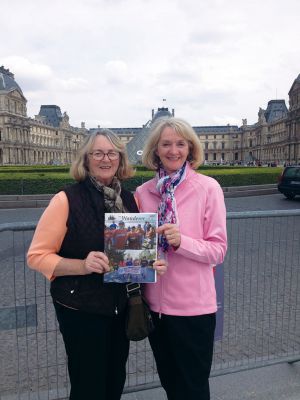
[260,312]
[250,203]
[258,203]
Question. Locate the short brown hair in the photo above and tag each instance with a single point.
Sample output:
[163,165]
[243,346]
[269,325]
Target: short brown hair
[79,169]
[184,129]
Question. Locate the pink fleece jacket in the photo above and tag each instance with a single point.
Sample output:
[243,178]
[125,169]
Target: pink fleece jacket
[188,286]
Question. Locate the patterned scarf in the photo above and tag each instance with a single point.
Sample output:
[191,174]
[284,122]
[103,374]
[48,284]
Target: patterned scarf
[112,199]
[167,211]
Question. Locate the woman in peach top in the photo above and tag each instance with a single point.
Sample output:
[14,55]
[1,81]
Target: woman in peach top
[68,248]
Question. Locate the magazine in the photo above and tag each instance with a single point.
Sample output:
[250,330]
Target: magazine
[130,243]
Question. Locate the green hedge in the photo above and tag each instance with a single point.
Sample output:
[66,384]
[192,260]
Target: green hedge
[33,169]
[43,182]
[33,186]
[245,180]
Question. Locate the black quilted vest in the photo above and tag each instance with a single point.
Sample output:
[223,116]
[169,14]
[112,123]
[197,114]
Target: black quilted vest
[85,229]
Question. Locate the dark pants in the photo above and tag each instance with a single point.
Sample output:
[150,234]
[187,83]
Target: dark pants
[183,350]
[97,351]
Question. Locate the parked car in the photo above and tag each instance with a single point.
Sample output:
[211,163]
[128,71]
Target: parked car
[289,181]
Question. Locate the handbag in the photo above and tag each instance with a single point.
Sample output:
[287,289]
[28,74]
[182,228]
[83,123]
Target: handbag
[139,322]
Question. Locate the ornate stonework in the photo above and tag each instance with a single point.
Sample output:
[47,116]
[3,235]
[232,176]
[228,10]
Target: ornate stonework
[29,141]
[49,138]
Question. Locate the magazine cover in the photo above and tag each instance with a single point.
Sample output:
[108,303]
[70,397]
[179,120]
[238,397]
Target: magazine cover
[131,247]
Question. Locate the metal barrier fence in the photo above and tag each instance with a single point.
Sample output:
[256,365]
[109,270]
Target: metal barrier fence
[261,309]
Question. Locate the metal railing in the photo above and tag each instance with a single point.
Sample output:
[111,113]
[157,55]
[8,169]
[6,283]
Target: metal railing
[261,309]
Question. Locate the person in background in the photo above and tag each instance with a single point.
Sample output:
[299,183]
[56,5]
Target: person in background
[108,235]
[140,230]
[120,236]
[192,236]
[68,248]
[150,236]
[128,261]
[144,262]
[134,239]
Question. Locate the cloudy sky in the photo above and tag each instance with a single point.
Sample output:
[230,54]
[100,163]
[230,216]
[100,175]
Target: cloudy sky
[109,62]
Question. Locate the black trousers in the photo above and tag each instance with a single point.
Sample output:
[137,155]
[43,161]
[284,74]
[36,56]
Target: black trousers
[183,350]
[97,350]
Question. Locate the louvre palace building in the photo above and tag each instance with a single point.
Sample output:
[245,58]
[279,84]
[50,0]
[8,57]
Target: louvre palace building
[48,138]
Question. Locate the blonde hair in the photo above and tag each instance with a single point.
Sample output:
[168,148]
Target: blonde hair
[184,129]
[79,169]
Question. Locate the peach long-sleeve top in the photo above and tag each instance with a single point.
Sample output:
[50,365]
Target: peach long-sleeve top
[43,255]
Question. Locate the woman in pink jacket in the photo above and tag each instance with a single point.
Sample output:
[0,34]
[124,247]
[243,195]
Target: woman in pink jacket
[192,236]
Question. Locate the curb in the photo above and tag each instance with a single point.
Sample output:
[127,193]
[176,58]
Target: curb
[25,201]
[245,191]
[42,200]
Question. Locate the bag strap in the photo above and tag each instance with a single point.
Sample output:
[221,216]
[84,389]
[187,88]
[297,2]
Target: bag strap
[133,289]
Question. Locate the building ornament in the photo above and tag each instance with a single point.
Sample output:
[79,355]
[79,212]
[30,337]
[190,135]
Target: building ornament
[50,139]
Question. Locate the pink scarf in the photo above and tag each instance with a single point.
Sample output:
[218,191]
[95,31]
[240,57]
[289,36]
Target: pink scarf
[167,211]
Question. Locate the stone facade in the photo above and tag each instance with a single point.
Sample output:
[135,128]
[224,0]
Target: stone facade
[293,123]
[49,138]
[273,139]
[28,141]
[221,144]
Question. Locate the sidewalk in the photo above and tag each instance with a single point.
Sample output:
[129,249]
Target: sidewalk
[277,382]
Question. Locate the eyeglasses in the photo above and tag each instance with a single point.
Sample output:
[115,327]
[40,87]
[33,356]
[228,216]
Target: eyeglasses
[99,155]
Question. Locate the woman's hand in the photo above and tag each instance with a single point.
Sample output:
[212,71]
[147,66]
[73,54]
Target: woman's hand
[171,233]
[160,266]
[96,261]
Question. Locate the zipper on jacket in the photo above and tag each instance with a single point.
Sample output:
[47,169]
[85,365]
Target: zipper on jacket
[161,296]
[161,286]
[116,298]
[64,305]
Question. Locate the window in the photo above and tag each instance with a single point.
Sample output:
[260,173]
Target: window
[215,156]
[223,156]
[206,145]
[236,156]
[206,156]
[292,173]
[215,145]
[223,145]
